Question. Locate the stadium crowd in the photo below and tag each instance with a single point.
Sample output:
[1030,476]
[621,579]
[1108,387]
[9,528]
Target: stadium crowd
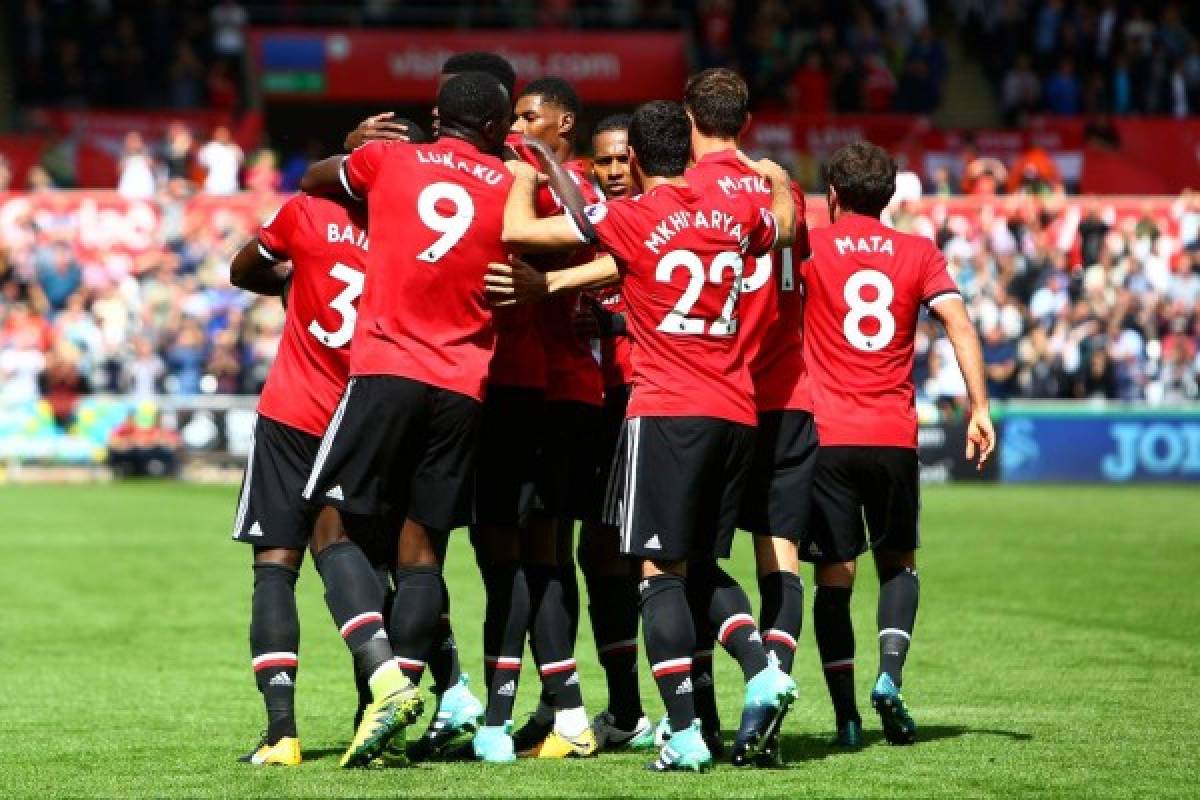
[1113,314]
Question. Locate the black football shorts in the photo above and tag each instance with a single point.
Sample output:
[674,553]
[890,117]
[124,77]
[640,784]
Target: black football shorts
[677,486]
[506,463]
[270,510]
[569,459]
[880,484]
[778,495]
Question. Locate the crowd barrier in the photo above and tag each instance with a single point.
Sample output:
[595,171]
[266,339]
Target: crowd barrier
[1039,442]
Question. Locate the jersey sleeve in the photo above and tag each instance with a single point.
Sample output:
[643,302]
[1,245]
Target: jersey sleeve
[360,168]
[763,235]
[936,283]
[276,235]
[610,226]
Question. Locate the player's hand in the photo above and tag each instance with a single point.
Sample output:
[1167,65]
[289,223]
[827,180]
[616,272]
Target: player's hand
[513,283]
[766,168]
[376,127]
[521,169]
[981,437]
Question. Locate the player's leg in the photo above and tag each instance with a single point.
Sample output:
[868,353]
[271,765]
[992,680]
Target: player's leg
[277,523]
[505,624]
[781,590]
[274,649]
[553,651]
[419,599]
[364,467]
[613,608]
[835,538]
[704,685]
[444,666]
[892,516]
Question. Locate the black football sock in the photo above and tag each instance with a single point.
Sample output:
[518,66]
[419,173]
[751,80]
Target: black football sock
[383,574]
[551,630]
[444,666]
[505,622]
[781,614]
[275,644]
[416,615]
[897,615]
[835,643]
[704,683]
[613,607]
[355,601]
[670,641]
[568,576]
[729,612]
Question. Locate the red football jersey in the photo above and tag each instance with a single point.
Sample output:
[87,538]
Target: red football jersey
[436,212]
[326,241]
[680,253]
[572,372]
[864,289]
[615,351]
[772,300]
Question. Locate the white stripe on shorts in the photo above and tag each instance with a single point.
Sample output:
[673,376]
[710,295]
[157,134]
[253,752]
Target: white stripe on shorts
[327,443]
[244,500]
[631,475]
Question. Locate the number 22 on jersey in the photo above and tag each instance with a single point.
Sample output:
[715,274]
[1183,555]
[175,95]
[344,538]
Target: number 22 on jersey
[678,319]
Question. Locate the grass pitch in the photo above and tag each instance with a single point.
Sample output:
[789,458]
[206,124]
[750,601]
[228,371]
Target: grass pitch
[1055,654]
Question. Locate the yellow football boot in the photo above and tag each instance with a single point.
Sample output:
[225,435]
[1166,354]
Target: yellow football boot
[558,746]
[284,753]
[383,721]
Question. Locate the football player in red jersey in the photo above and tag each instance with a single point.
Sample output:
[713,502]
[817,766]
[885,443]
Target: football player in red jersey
[776,504]
[611,579]
[403,437]
[546,113]
[865,287]
[326,243]
[689,435]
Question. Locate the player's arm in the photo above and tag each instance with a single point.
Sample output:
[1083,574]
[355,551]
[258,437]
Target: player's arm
[256,269]
[326,178]
[952,313]
[783,206]
[517,282]
[522,227]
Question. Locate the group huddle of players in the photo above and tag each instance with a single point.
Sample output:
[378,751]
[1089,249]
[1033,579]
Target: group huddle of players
[483,330]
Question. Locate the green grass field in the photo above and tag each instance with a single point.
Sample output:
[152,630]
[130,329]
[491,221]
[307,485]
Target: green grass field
[1055,654]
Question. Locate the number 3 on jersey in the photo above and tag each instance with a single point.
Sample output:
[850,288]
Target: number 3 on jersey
[878,309]
[344,305]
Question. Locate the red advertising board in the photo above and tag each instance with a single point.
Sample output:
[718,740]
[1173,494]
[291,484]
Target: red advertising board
[391,67]
[21,153]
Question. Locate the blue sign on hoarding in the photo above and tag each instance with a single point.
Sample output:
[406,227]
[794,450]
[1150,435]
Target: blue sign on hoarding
[1100,446]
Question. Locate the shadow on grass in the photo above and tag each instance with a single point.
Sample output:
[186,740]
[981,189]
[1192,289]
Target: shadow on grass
[814,747]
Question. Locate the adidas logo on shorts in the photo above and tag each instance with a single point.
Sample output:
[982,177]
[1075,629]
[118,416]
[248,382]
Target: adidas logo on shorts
[255,529]
[508,690]
[281,679]
[653,543]
[685,687]
[335,493]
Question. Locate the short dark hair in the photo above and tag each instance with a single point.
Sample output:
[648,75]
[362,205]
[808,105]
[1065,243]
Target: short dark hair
[472,99]
[661,137]
[719,102]
[416,134]
[553,89]
[483,61]
[613,122]
[864,176]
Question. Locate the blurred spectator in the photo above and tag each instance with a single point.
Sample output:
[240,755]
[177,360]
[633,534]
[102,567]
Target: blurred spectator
[62,383]
[1000,361]
[38,179]
[5,174]
[1062,89]
[1022,90]
[142,370]
[59,275]
[222,159]
[186,78]
[177,152]
[136,180]
[229,21]
[262,174]
[141,446]
[809,90]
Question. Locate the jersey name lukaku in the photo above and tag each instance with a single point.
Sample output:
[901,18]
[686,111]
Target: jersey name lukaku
[326,242]
[680,254]
[864,287]
[436,211]
[772,301]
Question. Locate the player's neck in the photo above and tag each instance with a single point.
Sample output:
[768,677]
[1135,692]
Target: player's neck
[650,183]
[847,214]
[464,135]
[706,145]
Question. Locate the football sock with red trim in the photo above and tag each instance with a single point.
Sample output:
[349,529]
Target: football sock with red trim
[274,644]
[355,601]
[551,636]
[505,623]
[670,641]
[834,632]
[897,615]
[781,614]
[613,607]
[416,616]
[729,613]
[704,683]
